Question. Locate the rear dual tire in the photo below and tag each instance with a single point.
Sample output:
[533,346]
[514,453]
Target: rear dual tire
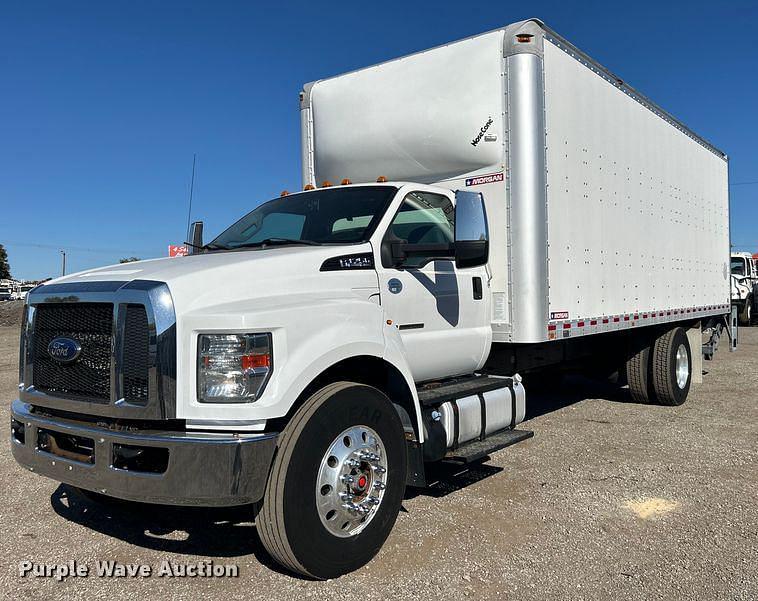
[301,523]
[661,371]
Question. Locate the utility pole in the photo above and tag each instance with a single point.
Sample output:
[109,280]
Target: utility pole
[63,267]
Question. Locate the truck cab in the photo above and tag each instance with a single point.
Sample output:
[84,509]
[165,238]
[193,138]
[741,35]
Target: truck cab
[744,286]
[174,380]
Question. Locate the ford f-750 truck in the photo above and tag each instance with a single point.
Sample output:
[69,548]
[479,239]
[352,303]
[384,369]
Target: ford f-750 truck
[514,207]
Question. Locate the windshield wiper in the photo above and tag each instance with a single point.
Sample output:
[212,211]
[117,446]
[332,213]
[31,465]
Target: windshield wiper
[209,246]
[272,241]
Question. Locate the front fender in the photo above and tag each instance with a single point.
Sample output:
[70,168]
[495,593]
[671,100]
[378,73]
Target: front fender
[308,338]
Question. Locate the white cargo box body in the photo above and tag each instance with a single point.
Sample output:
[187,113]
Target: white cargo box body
[605,212]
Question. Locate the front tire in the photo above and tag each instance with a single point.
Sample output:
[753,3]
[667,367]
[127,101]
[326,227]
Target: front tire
[336,484]
[746,315]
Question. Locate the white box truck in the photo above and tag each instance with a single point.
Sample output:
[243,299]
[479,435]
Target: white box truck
[514,207]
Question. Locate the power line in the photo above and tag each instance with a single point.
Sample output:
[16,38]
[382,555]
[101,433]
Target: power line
[744,183]
[76,248]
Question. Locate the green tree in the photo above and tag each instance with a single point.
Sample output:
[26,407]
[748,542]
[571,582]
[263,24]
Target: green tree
[129,259]
[5,268]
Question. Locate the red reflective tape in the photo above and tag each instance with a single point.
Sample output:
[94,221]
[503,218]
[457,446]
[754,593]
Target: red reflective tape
[626,318]
[551,327]
[605,320]
[615,319]
[593,322]
[652,315]
[566,326]
[644,316]
[580,324]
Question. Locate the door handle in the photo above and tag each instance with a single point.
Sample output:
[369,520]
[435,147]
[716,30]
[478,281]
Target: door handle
[476,282]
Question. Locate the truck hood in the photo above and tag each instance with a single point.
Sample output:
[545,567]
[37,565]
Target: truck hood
[218,278]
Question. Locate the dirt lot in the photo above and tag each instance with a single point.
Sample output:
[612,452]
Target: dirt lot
[609,500]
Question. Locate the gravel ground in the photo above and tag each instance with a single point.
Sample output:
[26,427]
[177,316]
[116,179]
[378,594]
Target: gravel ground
[609,500]
[10,313]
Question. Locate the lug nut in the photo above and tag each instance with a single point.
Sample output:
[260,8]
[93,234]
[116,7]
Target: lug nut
[379,469]
[370,457]
[379,485]
[347,479]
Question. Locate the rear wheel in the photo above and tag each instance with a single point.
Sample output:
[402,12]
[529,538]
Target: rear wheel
[337,482]
[672,367]
[638,373]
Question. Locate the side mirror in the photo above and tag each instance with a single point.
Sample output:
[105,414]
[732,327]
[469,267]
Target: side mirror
[471,236]
[195,237]
[393,250]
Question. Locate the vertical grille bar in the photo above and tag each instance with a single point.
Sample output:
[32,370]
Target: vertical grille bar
[135,355]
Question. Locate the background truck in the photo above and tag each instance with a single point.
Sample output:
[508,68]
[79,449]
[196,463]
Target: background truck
[744,269]
[7,289]
[515,208]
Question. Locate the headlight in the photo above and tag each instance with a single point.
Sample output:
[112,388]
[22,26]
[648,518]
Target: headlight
[232,368]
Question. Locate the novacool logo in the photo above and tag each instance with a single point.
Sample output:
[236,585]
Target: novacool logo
[64,350]
[481,133]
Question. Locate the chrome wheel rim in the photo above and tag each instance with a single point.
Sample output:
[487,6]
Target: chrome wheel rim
[351,481]
[682,367]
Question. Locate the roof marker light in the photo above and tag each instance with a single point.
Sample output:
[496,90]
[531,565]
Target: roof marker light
[346,182]
[309,187]
[381,179]
[284,193]
[326,184]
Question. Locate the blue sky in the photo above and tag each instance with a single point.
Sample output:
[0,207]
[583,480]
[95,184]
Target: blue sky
[102,104]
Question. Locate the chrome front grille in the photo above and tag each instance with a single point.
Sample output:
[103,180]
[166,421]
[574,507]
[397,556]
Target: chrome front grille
[127,335]
[89,324]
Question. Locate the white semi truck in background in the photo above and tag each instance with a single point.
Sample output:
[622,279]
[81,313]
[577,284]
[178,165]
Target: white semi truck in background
[744,270]
[482,210]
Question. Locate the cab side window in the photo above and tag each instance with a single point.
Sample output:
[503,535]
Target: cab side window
[425,220]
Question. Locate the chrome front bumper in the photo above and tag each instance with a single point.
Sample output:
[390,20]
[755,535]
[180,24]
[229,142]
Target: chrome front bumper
[203,469]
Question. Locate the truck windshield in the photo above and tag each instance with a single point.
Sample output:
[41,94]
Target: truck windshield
[738,266]
[325,216]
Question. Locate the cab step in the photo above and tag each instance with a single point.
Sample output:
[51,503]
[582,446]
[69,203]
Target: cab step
[477,450]
[436,393]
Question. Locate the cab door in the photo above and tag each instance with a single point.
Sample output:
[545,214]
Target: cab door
[442,312]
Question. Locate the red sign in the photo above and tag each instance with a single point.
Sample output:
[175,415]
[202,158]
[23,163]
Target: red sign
[177,250]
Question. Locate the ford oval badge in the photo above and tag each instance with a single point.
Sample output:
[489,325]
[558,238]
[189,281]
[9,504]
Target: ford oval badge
[64,350]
